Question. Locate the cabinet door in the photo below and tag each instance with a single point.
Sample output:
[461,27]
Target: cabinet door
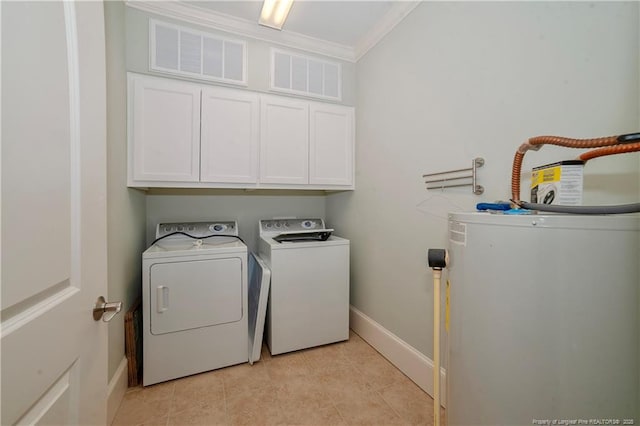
[229,142]
[284,140]
[164,132]
[331,144]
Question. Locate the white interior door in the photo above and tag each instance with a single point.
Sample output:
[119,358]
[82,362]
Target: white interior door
[54,366]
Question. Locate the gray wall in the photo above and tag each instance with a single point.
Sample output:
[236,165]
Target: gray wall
[258,57]
[126,214]
[458,80]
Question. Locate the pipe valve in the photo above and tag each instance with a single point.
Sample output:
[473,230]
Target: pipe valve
[437,259]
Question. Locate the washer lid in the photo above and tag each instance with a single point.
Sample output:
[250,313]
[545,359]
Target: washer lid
[272,227]
[286,245]
[301,236]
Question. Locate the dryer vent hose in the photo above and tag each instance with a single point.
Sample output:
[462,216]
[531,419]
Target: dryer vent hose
[600,147]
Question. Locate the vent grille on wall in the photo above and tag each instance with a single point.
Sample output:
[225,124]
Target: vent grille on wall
[305,75]
[183,51]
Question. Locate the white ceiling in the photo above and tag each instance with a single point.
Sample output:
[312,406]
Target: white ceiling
[344,29]
[342,22]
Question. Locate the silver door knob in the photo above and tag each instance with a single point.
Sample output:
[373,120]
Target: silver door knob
[105,310]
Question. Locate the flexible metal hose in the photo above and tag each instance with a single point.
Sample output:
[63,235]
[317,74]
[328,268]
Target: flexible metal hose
[515,176]
[536,143]
[609,150]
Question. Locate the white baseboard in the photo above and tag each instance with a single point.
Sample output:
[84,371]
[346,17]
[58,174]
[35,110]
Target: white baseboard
[405,357]
[116,390]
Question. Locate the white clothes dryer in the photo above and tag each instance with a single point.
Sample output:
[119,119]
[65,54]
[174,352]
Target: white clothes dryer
[194,294]
[309,296]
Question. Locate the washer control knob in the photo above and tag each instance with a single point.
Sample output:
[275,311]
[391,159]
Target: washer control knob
[217,228]
[278,225]
[308,224]
[180,228]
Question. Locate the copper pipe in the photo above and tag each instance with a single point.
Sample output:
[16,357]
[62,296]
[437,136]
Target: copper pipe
[515,177]
[610,150]
[574,143]
[536,143]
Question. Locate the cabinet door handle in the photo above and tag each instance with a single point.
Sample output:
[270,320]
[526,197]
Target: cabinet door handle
[162,298]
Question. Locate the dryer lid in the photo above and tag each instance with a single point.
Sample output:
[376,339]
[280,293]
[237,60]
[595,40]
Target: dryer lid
[196,229]
[174,248]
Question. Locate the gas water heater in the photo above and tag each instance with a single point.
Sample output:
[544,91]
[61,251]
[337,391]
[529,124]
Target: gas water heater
[544,321]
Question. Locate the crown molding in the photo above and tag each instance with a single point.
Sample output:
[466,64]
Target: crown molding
[219,21]
[231,24]
[393,17]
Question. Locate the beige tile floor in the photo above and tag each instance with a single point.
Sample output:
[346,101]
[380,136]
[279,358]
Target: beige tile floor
[346,383]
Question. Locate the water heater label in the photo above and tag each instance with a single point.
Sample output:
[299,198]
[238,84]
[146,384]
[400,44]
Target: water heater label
[458,233]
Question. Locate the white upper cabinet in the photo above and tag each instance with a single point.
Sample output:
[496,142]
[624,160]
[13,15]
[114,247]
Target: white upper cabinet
[331,135]
[284,140]
[164,130]
[187,135]
[229,141]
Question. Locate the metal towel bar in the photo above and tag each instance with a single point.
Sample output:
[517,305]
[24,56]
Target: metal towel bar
[444,182]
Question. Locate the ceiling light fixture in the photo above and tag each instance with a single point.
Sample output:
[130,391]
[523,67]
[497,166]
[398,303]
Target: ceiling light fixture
[274,13]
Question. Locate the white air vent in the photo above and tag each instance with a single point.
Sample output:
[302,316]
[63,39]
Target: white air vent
[183,51]
[305,75]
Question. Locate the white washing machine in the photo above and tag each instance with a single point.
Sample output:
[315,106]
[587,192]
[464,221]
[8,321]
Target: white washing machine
[309,296]
[194,294]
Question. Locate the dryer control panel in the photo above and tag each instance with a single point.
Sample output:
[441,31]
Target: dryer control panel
[277,226]
[198,229]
